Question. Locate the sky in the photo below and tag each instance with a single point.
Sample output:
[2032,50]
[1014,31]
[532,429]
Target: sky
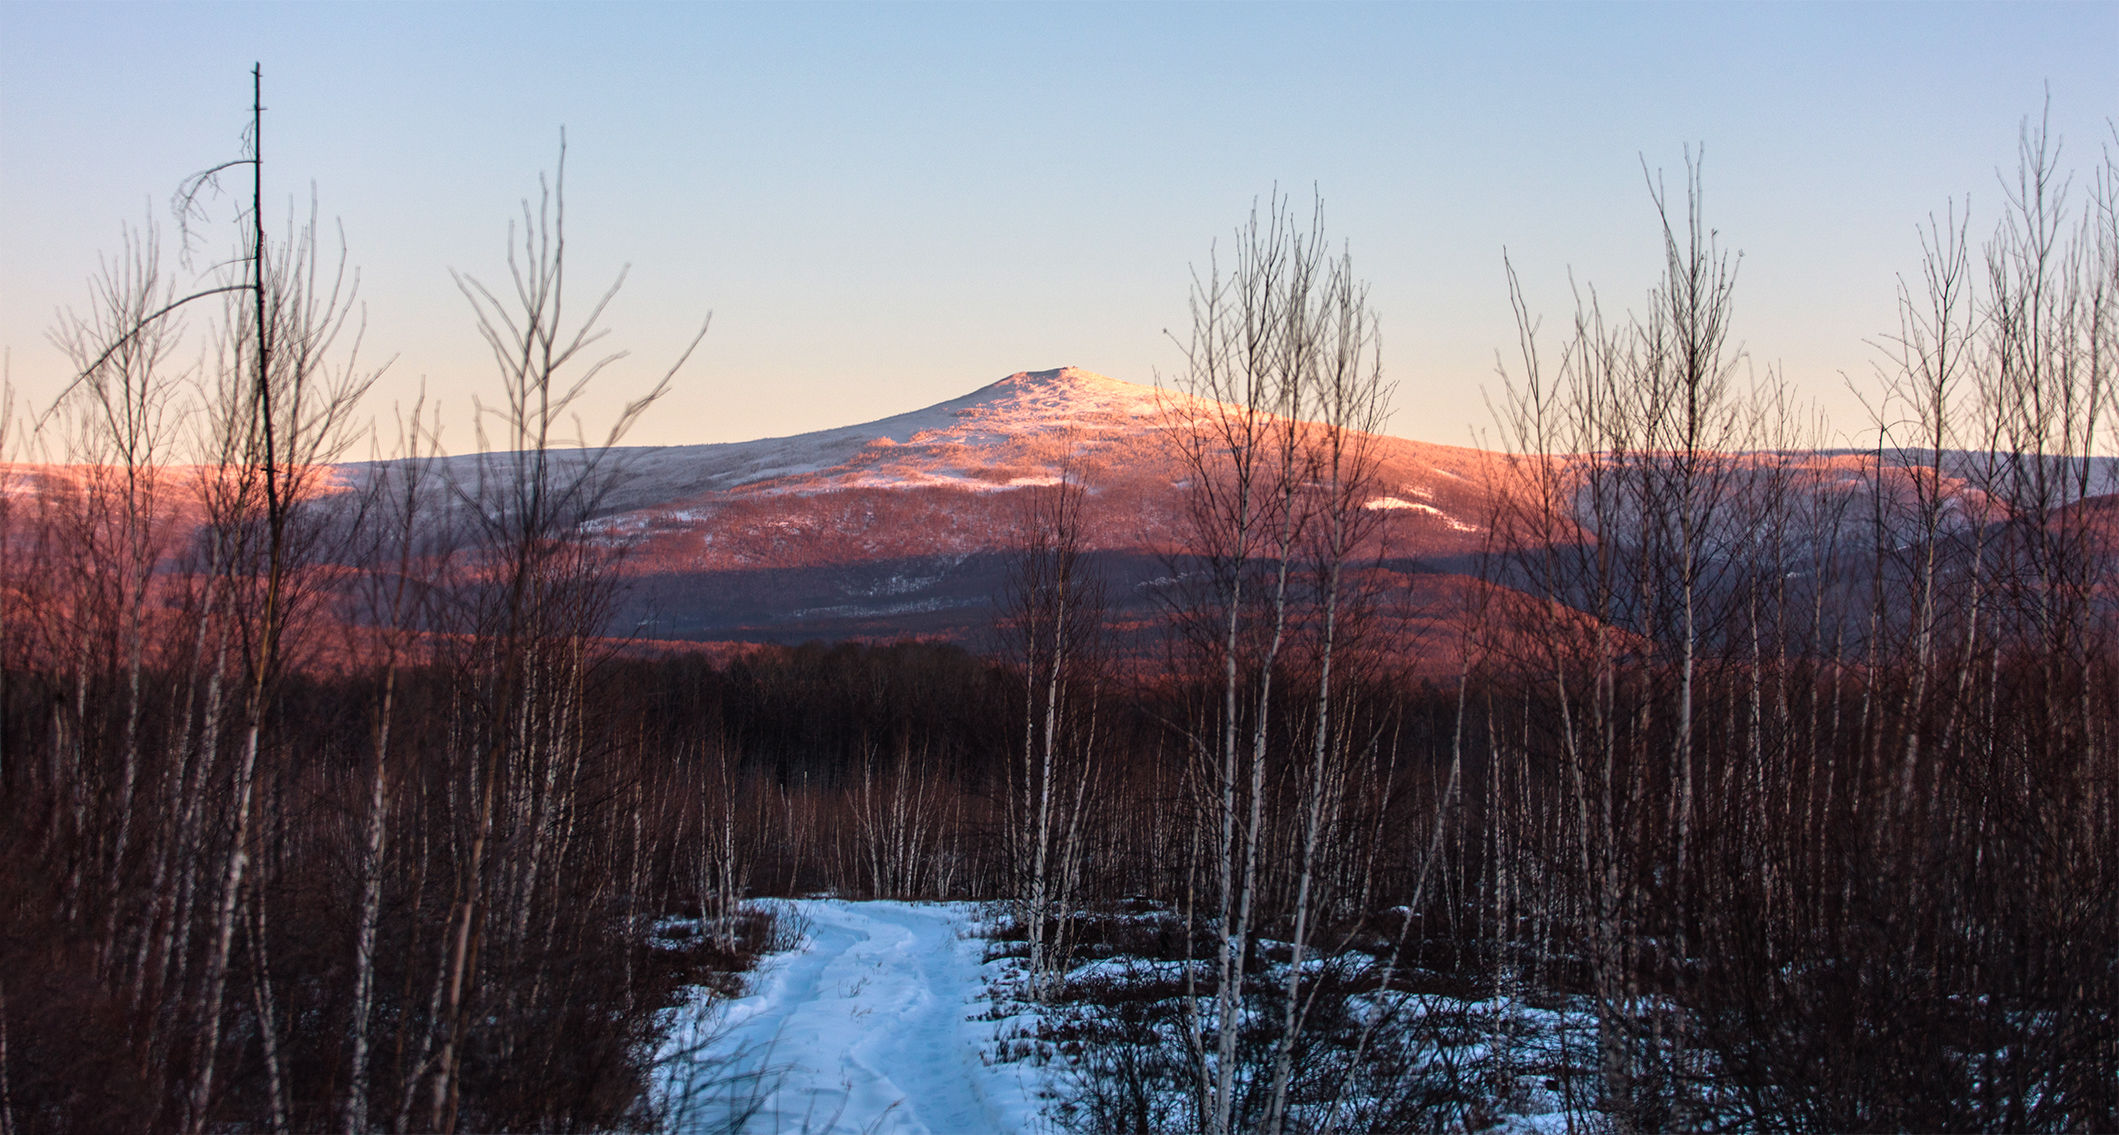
[882,207]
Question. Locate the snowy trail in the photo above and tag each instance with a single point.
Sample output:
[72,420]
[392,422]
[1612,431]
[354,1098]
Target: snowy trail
[869,1027]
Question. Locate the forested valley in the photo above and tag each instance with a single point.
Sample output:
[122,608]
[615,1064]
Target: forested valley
[1782,774]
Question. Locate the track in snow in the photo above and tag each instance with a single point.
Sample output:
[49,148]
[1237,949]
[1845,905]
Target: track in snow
[870,1027]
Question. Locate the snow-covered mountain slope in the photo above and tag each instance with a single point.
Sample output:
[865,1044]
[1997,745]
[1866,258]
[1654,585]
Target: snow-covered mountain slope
[894,527]
[874,484]
[903,525]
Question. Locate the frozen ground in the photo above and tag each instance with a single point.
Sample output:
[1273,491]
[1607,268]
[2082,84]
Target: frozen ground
[877,1023]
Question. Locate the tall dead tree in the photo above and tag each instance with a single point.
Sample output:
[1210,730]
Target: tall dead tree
[289,381]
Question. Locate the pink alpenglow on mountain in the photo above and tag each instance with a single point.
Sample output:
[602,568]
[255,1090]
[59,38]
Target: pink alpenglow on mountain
[902,526]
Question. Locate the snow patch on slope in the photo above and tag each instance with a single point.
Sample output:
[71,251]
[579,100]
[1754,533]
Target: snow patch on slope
[1400,503]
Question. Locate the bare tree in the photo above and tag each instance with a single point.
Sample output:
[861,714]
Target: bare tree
[1348,398]
[1235,438]
[289,381]
[1626,459]
[1277,512]
[407,557]
[1054,611]
[8,488]
[122,411]
[544,590]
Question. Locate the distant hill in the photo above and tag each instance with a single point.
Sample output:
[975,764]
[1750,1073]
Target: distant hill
[902,527]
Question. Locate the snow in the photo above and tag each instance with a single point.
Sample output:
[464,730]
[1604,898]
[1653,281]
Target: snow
[878,1023]
[914,478]
[1417,506]
[913,449]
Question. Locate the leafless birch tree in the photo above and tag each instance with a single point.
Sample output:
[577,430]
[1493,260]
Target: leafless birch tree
[1054,612]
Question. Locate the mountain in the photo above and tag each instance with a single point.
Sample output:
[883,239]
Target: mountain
[893,528]
[903,525]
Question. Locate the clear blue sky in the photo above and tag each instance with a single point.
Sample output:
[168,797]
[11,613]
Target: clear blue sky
[887,206]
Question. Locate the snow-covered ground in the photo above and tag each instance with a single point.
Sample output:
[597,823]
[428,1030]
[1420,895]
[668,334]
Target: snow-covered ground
[888,1018]
[878,1023]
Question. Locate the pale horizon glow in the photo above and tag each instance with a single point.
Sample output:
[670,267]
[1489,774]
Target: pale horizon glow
[886,207]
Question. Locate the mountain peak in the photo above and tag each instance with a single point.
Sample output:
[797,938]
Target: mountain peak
[1061,397]
[1069,382]
[1067,376]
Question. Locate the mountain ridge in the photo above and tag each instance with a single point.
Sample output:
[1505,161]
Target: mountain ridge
[902,526]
